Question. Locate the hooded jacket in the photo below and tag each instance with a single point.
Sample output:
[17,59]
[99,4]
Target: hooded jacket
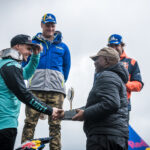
[54,65]
[106,110]
[13,89]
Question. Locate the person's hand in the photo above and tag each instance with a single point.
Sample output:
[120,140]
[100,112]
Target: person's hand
[79,115]
[61,115]
[57,113]
[37,49]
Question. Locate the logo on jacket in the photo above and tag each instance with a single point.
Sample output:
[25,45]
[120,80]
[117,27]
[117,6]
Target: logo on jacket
[126,65]
[59,47]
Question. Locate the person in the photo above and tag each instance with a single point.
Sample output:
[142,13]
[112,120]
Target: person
[13,89]
[48,82]
[135,83]
[106,110]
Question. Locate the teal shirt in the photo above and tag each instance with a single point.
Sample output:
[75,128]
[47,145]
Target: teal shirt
[9,104]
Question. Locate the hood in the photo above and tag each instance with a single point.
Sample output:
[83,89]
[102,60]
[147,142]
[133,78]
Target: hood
[11,53]
[57,37]
[120,70]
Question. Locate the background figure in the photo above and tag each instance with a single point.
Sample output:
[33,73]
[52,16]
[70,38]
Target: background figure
[48,82]
[13,89]
[106,112]
[135,83]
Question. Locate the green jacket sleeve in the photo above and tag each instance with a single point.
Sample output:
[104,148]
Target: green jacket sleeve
[30,68]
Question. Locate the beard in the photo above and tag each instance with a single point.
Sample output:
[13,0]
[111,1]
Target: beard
[99,68]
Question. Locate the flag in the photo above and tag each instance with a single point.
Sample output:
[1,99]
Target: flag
[135,142]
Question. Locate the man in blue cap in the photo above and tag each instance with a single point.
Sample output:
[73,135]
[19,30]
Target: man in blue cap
[48,82]
[135,83]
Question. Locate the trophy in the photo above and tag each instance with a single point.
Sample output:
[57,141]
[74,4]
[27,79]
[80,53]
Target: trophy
[70,96]
[69,114]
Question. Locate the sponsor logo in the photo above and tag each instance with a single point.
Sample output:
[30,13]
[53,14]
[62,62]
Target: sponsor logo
[49,17]
[126,65]
[113,39]
[59,47]
[137,144]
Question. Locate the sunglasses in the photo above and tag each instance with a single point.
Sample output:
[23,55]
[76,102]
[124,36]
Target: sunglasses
[113,45]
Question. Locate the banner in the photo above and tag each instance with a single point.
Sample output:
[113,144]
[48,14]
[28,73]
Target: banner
[136,142]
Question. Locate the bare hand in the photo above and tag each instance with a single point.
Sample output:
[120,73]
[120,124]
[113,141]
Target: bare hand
[57,113]
[37,49]
[79,115]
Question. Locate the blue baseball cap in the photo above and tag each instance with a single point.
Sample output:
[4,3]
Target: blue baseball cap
[48,18]
[115,39]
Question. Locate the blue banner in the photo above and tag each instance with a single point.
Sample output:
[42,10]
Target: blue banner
[136,142]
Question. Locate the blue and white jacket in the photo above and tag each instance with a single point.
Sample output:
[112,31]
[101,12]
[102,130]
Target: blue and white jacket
[54,65]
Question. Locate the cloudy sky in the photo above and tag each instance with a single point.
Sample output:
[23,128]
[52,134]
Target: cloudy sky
[86,26]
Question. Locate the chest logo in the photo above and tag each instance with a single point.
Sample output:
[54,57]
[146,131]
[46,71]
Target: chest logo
[59,47]
[126,65]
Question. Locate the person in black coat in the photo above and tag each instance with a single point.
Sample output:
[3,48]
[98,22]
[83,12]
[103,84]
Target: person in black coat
[105,114]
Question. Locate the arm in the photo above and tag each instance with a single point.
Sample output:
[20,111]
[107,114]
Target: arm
[12,75]
[108,100]
[135,84]
[30,68]
[67,63]
[24,63]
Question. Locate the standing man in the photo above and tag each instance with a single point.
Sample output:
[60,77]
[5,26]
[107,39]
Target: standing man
[48,82]
[135,83]
[13,89]
[106,111]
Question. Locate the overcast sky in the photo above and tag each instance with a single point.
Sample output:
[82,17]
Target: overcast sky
[86,26]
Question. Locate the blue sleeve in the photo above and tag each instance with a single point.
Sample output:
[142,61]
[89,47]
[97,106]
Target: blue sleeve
[136,75]
[67,63]
[30,68]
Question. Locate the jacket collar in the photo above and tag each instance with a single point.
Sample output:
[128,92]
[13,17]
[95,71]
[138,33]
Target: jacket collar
[11,53]
[57,38]
[123,55]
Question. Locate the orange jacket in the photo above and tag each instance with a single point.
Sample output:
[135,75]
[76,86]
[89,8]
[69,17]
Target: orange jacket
[135,81]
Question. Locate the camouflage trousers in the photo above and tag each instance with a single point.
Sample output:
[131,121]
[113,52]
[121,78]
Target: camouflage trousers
[54,99]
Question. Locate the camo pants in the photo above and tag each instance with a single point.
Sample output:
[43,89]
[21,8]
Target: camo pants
[54,99]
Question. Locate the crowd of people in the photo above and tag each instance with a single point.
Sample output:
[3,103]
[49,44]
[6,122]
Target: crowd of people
[45,62]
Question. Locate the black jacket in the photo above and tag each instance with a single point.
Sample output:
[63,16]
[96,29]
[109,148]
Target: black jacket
[106,110]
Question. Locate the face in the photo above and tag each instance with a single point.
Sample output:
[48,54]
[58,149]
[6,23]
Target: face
[25,50]
[118,48]
[48,29]
[100,63]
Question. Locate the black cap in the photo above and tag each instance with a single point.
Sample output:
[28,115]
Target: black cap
[23,39]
